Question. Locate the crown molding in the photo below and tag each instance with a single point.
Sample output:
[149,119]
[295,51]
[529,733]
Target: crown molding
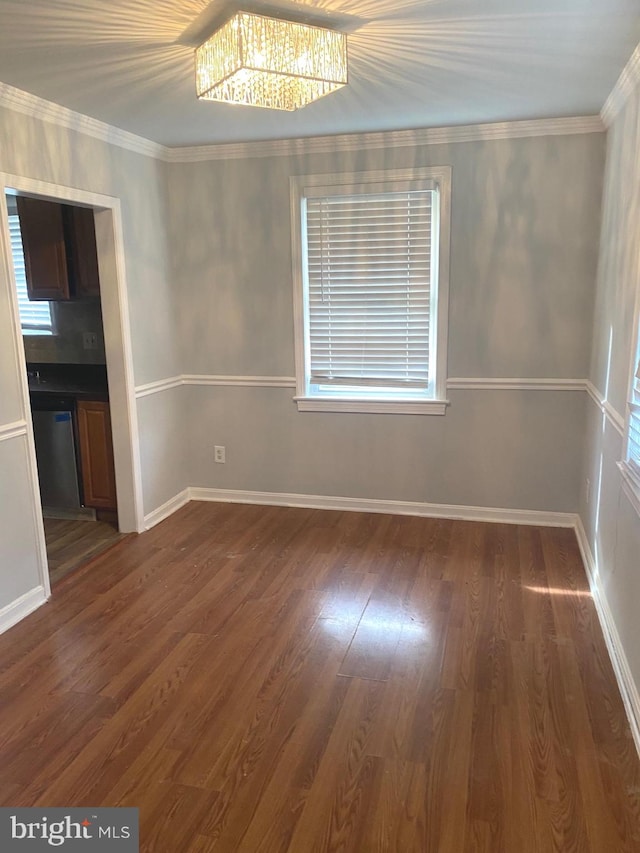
[388,139]
[625,85]
[35,107]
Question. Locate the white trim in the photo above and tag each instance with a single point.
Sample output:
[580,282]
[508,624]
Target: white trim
[119,352]
[374,407]
[167,509]
[219,380]
[593,392]
[632,484]
[240,381]
[158,386]
[387,139]
[427,510]
[32,105]
[13,430]
[302,187]
[516,384]
[626,83]
[619,661]
[20,364]
[613,415]
[115,311]
[473,383]
[22,607]
[621,668]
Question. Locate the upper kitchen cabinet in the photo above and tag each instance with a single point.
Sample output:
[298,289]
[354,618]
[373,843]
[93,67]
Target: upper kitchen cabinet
[45,254]
[59,243]
[82,253]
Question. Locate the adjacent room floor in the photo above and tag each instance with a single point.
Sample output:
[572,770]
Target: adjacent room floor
[273,679]
[71,543]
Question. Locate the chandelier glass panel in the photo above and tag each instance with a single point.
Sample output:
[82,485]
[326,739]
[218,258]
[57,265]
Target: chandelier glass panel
[267,62]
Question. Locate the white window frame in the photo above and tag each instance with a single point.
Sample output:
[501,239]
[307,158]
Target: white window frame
[630,467]
[434,404]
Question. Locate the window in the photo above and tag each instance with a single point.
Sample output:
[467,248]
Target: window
[630,465]
[633,441]
[371,262]
[35,317]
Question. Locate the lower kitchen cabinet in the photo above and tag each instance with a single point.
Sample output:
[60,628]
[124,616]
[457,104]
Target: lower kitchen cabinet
[96,455]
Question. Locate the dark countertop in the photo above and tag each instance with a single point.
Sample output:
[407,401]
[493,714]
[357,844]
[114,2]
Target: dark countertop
[81,382]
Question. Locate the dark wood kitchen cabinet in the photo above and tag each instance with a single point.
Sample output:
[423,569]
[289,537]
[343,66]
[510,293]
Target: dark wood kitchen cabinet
[60,254]
[96,455]
[82,253]
[45,253]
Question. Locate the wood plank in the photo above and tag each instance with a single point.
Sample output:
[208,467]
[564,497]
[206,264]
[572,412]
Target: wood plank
[71,544]
[272,680]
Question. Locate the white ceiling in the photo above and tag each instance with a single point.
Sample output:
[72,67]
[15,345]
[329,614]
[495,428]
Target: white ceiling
[413,63]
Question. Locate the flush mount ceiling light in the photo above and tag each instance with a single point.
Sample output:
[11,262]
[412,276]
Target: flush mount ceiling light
[268,62]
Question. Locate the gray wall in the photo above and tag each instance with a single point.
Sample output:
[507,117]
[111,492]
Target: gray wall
[525,226]
[611,523]
[210,292]
[41,150]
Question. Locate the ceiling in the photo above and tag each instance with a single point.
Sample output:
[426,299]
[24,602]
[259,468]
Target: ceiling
[413,63]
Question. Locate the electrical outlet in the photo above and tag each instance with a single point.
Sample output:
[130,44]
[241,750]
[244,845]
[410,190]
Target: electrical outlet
[90,340]
[219,453]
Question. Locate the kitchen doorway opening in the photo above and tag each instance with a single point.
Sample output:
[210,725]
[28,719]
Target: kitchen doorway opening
[121,406]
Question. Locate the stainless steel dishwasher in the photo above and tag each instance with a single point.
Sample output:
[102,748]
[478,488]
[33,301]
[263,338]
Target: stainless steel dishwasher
[54,434]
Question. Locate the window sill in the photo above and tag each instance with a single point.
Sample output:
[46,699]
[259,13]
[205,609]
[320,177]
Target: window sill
[377,407]
[630,485]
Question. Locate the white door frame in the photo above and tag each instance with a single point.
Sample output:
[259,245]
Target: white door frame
[117,334]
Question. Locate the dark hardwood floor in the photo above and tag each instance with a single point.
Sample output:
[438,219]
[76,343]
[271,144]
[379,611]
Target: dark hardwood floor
[272,679]
[70,543]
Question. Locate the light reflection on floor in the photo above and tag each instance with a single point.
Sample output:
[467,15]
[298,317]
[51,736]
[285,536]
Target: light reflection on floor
[545,590]
[380,618]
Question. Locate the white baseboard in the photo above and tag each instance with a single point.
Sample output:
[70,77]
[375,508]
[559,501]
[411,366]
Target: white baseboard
[167,509]
[621,668]
[21,607]
[465,513]
[624,677]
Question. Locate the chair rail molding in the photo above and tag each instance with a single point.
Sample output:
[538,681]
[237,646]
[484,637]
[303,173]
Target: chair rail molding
[612,415]
[13,430]
[475,383]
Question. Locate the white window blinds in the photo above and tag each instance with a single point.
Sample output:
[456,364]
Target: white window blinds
[633,450]
[35,317]
[369,268]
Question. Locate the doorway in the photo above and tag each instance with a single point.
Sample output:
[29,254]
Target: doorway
[117,351]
